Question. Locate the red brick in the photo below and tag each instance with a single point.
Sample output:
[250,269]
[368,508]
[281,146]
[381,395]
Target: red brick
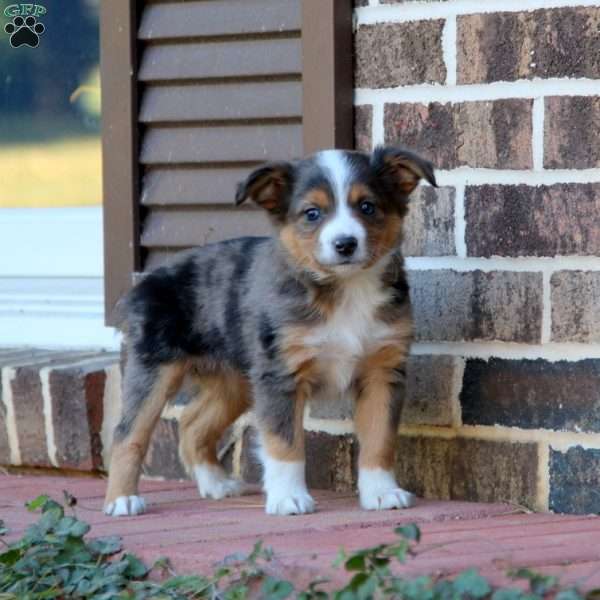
[162,459]
[28,405]
[429,226]
[575,306]
[468,469]
[77,413]
[490,134]
[571,132]
[532,394]
[505,46]
[476,305]
[430,389]
[394,54]
[521,220]
[574,481]
[331,461]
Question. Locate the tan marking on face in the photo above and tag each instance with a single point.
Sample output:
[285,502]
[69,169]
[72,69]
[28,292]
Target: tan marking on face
[358,192]
[301,247]
[317,197]
[383,236]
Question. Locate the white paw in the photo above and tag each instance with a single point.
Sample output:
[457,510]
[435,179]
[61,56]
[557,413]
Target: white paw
[396,498]
[213,482]
[285,486]
[125,506]
[299,503]
[379,491]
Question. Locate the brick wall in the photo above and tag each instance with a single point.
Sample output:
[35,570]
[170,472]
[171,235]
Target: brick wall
[504,257]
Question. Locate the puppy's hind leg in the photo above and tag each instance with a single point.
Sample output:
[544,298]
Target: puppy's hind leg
[145,392]
[224,396]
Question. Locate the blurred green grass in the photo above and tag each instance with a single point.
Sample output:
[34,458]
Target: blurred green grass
[46,163]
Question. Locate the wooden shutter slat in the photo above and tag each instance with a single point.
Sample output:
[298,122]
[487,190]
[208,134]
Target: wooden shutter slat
[184,228]
[244,143]
[163,187]
[182,103]
[219,17]
[253,58]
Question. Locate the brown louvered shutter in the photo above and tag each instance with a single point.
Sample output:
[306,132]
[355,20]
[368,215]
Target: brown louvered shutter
[195,94]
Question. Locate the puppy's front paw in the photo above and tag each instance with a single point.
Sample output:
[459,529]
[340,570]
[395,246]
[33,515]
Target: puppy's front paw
[396,498]
[379,491]
[214,483]
[298,503]
[125,506]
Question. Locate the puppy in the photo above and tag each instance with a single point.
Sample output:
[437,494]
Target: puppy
[320,308]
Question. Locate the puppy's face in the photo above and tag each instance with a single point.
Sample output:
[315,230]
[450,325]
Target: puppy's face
[338,212]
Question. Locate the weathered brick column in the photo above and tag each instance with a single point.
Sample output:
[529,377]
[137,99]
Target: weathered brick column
[504,257]
[55,408]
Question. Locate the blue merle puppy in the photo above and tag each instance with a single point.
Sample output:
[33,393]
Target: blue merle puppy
[319,309]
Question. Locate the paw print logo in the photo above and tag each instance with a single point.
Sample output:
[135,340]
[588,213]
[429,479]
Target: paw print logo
[24,32]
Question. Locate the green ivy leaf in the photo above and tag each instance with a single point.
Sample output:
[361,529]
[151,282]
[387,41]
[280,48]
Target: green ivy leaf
[135,567]
[10,557]
[105,546]
[507,594]
[355,563]
[276,589]
[33,505]
[539,584]
[570,594]
[410,532]
[470,583]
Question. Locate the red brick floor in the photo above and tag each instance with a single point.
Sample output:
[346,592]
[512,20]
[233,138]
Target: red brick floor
[195,533]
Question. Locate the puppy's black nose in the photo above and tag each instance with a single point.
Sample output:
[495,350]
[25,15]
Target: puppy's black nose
[346,246]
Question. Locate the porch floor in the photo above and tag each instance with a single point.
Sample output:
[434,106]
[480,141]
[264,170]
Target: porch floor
[195,534]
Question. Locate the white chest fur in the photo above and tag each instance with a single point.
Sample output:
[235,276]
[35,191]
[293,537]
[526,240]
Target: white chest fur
[352,332]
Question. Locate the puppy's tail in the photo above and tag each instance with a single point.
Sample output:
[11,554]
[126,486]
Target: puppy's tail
[121,313]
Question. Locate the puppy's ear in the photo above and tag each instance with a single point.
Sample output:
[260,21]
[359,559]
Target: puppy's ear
[402,169]
[269,186]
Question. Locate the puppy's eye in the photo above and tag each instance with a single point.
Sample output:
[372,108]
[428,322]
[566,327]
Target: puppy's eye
[367,208]
[312,214]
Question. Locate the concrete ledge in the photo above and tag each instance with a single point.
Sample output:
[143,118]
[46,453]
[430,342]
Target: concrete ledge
[52,407]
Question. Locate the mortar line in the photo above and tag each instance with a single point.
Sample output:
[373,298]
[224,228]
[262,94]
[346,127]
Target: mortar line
[546,333]
[449,49]
[559,440]
[378,125]
[460,224]
[480,92]
[543,477]
[551,352]
[537,133]
[48,416]
[529,264]
[457,385]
